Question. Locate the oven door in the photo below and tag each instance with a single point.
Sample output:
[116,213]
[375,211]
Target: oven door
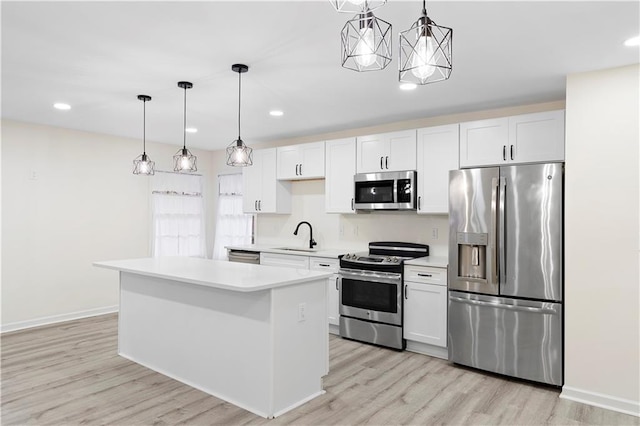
[371,295]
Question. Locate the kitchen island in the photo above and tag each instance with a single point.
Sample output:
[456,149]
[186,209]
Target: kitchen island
[255,336]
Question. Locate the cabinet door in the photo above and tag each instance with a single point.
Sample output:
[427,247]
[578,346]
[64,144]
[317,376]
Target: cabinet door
[267,202]
[402,151]
[340,168]
[312,160]
[484,142]
[288,162]
[371,153]
[252,184]
[536,137]
[284,260]
[333,311]
[437,154]
[425,313]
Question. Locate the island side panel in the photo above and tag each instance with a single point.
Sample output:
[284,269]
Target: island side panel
[215,340]
[301,346]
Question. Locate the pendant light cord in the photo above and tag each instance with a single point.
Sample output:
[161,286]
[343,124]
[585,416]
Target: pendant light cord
[144,126]
[184,127]
[239,100]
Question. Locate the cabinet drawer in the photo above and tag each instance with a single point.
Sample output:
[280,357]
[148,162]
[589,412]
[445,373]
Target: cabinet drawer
[424,274]
[284,260]
[323,264]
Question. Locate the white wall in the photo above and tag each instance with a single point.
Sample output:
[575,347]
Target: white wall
[69,199]
[602,319]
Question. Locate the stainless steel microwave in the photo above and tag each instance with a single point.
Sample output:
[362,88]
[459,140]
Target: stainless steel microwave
[385,190]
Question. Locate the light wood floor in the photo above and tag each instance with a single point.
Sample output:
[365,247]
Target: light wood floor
[70,374]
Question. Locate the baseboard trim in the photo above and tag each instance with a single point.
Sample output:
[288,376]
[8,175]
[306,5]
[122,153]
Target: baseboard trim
[426,349]
[39,322]
[608,402]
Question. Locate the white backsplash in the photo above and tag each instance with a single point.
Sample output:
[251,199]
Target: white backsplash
[348,231]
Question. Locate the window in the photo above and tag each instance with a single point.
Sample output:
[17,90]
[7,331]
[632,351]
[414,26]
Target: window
[177,207]
[233,227]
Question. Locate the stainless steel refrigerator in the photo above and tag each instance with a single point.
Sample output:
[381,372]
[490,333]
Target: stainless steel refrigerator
[505,270]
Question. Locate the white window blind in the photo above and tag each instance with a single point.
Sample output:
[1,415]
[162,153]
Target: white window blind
[177,206]
[233,227]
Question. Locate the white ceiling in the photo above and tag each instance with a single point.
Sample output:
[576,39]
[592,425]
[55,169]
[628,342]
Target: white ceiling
[98,56]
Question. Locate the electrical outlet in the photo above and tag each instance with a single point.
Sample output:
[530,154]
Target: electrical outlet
[434,233]
[302,312]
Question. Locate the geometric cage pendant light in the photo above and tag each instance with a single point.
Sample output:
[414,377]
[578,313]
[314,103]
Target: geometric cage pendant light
[143,165]
[183,160]
[238,153]
[356,6]
[366,43]
[425,52]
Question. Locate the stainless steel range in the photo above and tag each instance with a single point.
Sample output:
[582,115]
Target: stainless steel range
[371,292]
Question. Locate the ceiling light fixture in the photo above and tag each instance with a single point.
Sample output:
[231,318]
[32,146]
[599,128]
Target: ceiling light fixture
[191,130]
[61,106]
[143,165]
[239,154]
[276,113]
[184,161]
[356,6]
[425,51]
[366,42]
[633,41]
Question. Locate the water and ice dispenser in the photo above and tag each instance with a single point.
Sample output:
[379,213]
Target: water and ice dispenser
[472,255]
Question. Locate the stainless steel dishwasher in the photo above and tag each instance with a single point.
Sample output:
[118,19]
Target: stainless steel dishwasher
[244,256]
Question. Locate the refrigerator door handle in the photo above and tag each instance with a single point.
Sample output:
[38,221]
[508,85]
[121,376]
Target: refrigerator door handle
[530,309]
[493,238]
[501,230]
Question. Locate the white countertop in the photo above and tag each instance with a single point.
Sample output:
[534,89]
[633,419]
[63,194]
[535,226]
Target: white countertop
[433,261]
[273,248]
[215,273]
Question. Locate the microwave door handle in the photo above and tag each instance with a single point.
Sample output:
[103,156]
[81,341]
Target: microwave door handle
[501,230]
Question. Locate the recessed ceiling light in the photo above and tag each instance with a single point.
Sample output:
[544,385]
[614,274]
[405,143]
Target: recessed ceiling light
[61,106]
[633,41]
[408,86]
[276,113]
[191,130]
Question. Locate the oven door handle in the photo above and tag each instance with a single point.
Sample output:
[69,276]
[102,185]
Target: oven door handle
[373,276]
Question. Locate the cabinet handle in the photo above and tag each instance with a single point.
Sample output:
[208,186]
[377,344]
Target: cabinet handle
[260,205]
[419,199]
[381,163]
[425,275]
[324,264]
[511,150]
[337,278]
[300,169]
[255,205]
[352,206]
[504,152]
[386,162]
[297,170]
[405,292]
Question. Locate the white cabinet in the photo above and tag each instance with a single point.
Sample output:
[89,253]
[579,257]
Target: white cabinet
[284,260]
[262,192]
[304,161]
[527,138]
[394,151]
[340,155]
[333,293]
[437,154]
[425,310]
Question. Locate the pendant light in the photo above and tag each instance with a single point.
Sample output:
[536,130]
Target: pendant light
[366,43]
[143,165]
[239,154]
[356,6]
[184,161]
[425,51]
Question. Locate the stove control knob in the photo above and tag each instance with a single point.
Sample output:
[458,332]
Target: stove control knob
[388,259]
[347,256]
[395,260]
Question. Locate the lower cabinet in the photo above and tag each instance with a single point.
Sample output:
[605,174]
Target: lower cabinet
[425,310]
[314,264]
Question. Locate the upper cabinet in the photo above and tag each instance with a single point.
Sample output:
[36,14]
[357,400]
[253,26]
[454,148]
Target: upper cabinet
[340,156]
[262,192]
[394,151]
[527,138]
[437,154]
[304,161]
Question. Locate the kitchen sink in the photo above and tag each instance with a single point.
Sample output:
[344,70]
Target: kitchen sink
[296,249]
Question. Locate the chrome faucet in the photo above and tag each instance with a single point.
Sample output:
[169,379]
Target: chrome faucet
[311,242]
